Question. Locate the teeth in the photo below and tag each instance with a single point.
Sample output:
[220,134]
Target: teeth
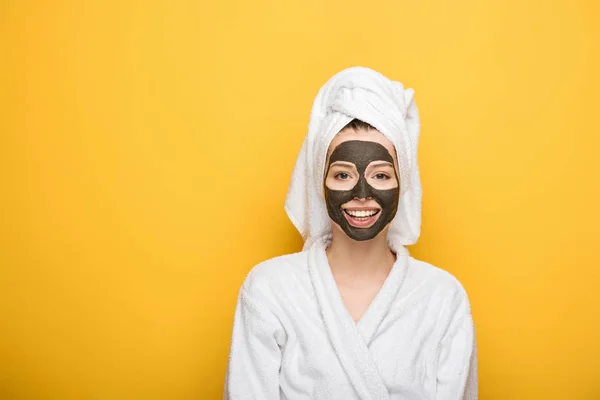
[362,214]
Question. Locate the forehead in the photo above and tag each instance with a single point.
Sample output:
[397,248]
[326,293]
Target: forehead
[370,135]
[360,153]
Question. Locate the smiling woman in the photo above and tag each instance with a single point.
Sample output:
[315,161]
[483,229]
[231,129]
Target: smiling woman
[354,316]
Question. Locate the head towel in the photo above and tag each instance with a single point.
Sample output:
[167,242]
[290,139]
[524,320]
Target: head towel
[367,95]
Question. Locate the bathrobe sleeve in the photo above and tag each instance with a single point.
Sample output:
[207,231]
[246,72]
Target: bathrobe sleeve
[457,362]
[255,355]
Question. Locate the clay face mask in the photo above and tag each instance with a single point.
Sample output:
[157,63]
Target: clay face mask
[361,154]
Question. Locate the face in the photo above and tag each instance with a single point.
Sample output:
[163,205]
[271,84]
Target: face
[361,185]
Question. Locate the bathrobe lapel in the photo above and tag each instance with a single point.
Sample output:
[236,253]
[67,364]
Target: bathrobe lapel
[351,340]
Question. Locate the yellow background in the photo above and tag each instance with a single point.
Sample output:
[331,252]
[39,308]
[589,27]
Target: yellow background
[145,153]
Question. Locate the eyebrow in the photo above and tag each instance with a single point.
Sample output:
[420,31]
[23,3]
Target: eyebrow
[343,163]
[380,164]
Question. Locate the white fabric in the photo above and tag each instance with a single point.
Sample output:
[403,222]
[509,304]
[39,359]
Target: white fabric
[294,339]
[361,93]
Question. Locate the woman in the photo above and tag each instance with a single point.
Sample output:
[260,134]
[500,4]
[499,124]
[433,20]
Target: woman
[354,316]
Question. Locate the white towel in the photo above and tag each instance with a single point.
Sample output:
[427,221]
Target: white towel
[367,95]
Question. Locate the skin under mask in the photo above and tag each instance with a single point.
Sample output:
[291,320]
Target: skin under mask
[361,154]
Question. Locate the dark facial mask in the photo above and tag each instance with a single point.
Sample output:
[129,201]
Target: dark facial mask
[361,154]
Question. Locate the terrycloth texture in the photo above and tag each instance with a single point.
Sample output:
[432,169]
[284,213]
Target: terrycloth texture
[294,339]
[367,95]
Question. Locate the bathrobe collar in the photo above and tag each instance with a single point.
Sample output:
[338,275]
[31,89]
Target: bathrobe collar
[351,340]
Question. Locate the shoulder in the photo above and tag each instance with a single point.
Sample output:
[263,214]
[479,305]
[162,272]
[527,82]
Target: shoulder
[442,294]
[439,283]
[276,274]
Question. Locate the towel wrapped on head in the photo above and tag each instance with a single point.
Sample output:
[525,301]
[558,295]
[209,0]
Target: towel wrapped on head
[364,94]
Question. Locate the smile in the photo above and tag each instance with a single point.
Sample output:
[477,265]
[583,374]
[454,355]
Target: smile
[361,218]
[361,214]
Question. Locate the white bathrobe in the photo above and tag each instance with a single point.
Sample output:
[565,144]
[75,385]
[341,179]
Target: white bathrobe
[294,339]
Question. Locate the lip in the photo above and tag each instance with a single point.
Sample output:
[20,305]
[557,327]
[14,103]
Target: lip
[361,224]
[361,208]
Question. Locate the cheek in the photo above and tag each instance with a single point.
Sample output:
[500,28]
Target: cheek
[335,198]
[390,198]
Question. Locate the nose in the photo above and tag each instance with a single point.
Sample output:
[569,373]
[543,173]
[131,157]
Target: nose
[361,190]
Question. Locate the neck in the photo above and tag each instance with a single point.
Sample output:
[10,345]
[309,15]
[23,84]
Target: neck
[359,259]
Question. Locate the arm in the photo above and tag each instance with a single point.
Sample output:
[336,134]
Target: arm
[457,362]
[255,355]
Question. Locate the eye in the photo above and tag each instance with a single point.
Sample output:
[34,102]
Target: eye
[342,175]
[382,176]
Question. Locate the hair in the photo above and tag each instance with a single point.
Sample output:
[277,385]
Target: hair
[357,124]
